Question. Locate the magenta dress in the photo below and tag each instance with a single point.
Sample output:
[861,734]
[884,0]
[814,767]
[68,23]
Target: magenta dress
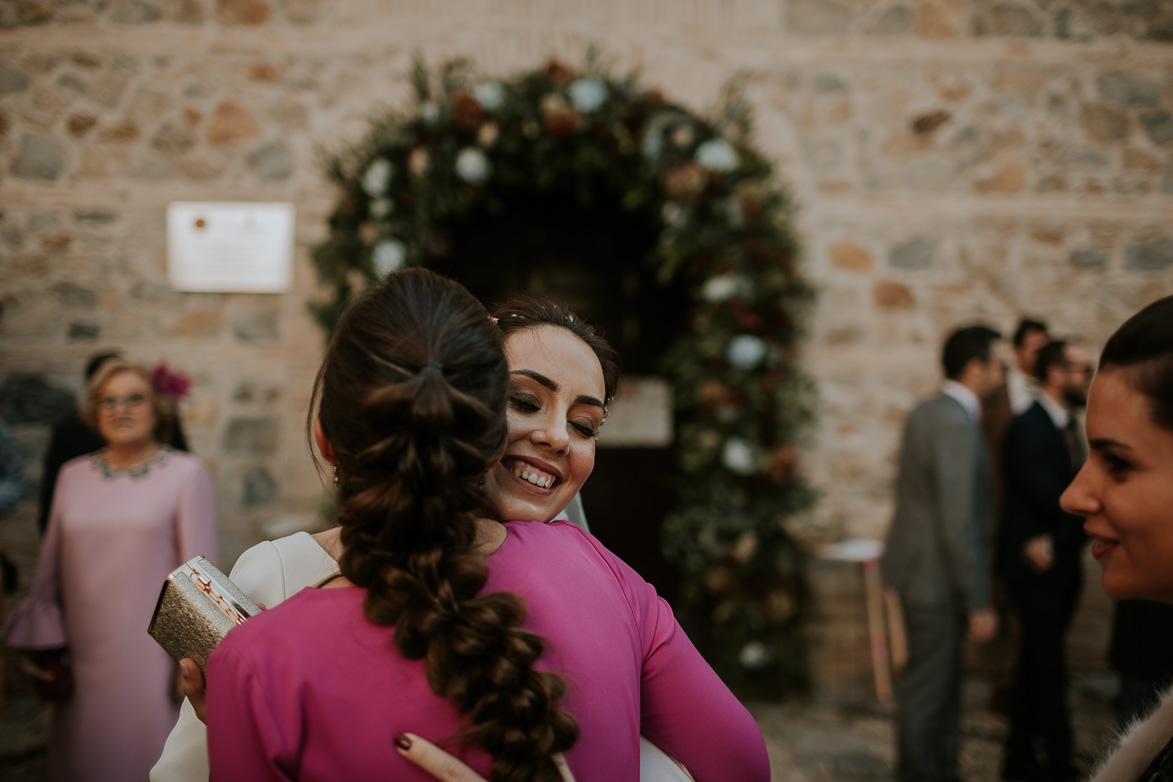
[312,691]
[110,543]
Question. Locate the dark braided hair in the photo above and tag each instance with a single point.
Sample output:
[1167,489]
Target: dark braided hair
[529,312]
[412,400]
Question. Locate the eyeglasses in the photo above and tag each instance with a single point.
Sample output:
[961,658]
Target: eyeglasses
[132,402]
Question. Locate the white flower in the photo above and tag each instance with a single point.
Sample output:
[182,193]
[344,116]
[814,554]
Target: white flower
[388,256]
[490,95]
[587,94]
[724,287]
[717,155]
[753,655]
[377,178]
[738,456]
[745,351]
[472,166]
[673,214]
[429,113]
[381,207]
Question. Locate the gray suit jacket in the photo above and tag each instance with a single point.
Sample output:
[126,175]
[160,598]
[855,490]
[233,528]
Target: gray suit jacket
[937,552]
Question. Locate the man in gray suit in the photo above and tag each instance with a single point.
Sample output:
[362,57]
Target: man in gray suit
[936,555]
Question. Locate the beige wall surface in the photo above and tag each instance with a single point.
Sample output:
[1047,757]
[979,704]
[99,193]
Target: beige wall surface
[952,160]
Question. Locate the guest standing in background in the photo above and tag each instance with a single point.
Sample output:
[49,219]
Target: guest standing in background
[71,437]
[1022,382]
[1039,559]
[11,490]
[121,520]
[936,556]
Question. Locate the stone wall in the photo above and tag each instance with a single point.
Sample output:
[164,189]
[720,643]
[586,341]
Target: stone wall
[952,160]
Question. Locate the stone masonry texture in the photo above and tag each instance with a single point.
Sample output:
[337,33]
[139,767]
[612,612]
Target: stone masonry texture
[952,161]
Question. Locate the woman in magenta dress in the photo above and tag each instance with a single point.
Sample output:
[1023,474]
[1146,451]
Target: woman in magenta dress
[121,520]
[523,639]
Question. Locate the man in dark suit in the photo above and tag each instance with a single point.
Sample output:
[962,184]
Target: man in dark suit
[1039,559]
[936,555]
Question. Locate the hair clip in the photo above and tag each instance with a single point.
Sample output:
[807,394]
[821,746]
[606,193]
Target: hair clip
[495,320]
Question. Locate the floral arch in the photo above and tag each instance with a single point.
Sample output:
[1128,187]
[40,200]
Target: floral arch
[722,225]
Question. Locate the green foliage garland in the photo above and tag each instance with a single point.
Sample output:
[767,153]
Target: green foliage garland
[722,224]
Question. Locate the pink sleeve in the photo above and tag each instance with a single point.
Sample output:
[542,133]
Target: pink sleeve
[685,708]
[195,522]
[245,740]
[38,622]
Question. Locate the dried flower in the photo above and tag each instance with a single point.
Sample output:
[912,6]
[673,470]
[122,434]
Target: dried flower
[173,385]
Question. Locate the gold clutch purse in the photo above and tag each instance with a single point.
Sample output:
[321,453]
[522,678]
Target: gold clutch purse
[196,609]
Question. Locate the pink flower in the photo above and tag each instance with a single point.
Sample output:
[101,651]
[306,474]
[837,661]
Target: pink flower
[170,384]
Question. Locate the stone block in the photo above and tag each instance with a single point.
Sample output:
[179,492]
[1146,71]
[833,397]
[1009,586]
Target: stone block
[914,254]
[272,162]
[893,296]
[1104,123]
[849,256]
[80,331]
[1010,178]
[1158,125]
[257,487]
[256,327]
[1088,259]
[79,124]
[1151,255]
[39,157]
[74,296]
[1128,89]
[819,17]
[251,435]
[1009,19]
[231,124]
[135,12]
[12,80]
[242,12]
[896,20]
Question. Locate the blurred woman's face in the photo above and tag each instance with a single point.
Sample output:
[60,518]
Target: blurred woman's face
[126,417]
[1125,491]
[555,411]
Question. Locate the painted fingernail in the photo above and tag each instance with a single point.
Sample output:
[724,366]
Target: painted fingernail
[402,741]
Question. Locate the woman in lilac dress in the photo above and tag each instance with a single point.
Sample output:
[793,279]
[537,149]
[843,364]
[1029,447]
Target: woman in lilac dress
[122,519]
[507,642]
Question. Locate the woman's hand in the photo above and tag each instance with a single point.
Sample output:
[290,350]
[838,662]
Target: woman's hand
[193,686]
[445,767]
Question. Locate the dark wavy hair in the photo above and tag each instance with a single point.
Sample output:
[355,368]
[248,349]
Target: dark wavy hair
[411,396]
[1144,347]
[528,312]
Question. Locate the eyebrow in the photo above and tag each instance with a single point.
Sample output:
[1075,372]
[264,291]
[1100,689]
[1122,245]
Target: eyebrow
[542,380]
[1101,443]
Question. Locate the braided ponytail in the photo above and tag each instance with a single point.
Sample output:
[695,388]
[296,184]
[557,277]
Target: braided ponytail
[412,400]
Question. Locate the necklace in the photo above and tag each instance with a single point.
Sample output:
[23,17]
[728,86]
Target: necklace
[109,473]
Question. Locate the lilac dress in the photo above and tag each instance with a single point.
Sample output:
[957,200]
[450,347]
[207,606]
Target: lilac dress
[111,542]
[312,691]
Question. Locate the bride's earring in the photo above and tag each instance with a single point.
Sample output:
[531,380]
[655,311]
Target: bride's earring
[336,475]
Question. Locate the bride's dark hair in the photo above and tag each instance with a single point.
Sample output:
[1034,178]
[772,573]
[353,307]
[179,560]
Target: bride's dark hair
[411,396]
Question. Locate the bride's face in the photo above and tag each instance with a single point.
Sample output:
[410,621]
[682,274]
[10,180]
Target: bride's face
[555,411]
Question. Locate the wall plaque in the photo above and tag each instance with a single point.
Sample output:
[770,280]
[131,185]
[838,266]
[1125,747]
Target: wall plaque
[244,247]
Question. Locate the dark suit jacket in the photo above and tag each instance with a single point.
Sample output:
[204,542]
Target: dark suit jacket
[937,552]
[1037,469]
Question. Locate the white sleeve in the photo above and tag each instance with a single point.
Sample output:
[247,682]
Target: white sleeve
[269,572]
